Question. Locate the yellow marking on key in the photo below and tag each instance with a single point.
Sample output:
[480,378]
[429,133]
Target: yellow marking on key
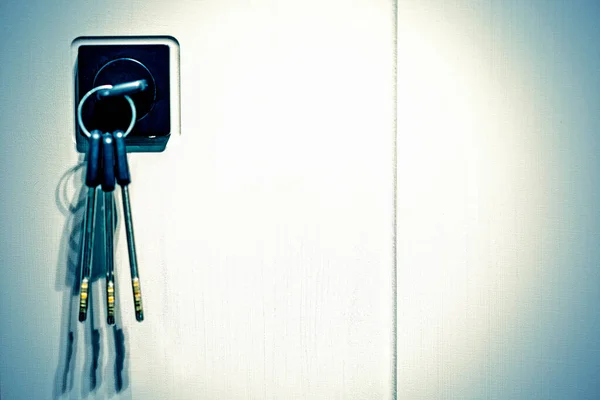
[83,297]
[137,299]
[110,292]
[137,294]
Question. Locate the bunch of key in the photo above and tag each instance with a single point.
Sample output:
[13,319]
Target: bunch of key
[106,166]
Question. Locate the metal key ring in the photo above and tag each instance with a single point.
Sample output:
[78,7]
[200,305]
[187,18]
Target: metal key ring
[91,92]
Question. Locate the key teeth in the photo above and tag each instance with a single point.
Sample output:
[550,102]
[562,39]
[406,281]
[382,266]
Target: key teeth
[110,298]
[137,299]
[83,300]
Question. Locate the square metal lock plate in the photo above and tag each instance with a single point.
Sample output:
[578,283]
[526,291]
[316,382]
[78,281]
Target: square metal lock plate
[102,61]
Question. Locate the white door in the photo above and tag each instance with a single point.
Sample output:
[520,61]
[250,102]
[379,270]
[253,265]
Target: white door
[270,265]
[265,230]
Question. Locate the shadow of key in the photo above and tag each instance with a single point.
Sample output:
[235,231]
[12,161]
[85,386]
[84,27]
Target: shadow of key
[120,380]
[67,281]
[68,271]
[95,303]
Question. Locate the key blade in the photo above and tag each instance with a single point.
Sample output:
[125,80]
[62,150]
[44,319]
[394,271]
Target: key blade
[92,177]
[121,165]
[92,180]
[110,266]
[87,247]
[123,178]
[133,265]
[108,163]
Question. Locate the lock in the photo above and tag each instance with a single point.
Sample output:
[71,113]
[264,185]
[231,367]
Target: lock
[111,64]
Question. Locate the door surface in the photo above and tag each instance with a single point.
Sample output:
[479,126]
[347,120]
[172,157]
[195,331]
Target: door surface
[498,200]
[265,230]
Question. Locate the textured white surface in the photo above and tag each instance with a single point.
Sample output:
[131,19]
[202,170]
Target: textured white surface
[264,231]
[498,200]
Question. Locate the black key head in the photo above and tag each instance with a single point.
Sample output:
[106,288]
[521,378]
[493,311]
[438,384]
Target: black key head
[93,178]
[121,165]
[108,162]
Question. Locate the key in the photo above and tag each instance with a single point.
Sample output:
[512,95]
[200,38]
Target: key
[123,89]
[92,181]
[123,179]
[108,187]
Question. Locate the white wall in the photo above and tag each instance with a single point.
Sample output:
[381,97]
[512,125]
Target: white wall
[264,231]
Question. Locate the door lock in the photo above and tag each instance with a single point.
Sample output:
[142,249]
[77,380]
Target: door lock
[107,64]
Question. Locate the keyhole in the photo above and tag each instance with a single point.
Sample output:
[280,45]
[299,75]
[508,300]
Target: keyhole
[114,113]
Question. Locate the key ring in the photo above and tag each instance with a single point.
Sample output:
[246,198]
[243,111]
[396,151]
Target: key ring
[91,92]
